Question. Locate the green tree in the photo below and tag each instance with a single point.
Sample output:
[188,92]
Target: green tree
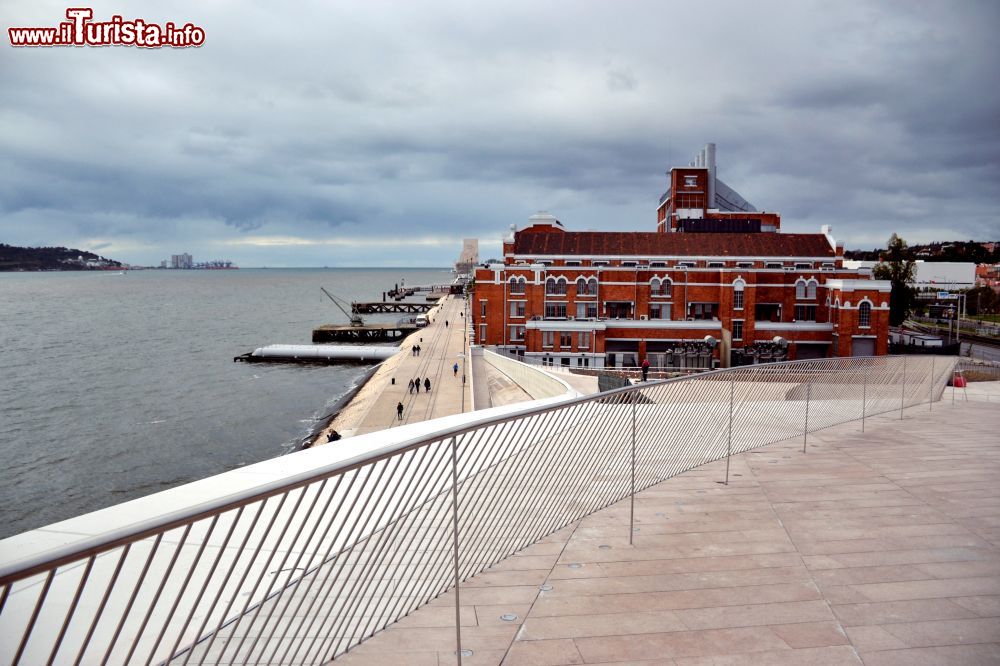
[980,301]
[896,265]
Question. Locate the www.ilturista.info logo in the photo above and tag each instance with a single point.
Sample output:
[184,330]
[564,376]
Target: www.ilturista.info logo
[80,30]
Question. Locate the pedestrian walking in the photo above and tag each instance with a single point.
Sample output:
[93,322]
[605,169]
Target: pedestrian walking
[645,369]
[454,369]
[410,386]
[416,383]
[427,385]
[399,411]
[446,323]
[419,349]
[333,436]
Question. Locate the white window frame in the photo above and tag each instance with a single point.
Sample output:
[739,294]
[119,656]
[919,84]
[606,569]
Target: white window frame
[865,301]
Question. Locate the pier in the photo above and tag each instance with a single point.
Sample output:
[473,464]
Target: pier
[362,334]
[382,307]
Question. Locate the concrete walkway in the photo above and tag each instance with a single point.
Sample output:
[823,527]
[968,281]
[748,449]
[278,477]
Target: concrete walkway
[441,348]
[877,548]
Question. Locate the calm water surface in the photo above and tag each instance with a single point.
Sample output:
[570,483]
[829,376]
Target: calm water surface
[116,386]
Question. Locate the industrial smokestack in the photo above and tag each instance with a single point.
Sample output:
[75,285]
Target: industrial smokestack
[710,163]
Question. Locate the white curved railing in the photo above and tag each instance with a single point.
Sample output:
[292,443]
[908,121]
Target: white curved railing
[307,565]
[531,378]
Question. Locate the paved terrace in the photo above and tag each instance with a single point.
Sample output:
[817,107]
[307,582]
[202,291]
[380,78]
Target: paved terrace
[881,548]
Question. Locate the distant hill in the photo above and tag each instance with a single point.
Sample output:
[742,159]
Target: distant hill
[975,251]
[13,258]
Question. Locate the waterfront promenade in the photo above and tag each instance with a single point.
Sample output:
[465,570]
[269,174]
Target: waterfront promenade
[878,548]
[374,407]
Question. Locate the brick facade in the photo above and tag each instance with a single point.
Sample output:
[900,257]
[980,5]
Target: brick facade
[709,288]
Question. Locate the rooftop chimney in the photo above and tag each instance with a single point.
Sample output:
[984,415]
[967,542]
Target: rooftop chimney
[710,163]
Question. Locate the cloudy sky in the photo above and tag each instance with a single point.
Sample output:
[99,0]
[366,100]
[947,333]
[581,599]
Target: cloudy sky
[382,133]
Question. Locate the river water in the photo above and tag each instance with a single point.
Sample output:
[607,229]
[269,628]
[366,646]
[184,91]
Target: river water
[116,386]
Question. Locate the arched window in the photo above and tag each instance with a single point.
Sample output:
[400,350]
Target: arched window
[660,287]
[738,294]
[516,284]
[555,286]
[586,287]
[811,289]
[864,314]
[800,289]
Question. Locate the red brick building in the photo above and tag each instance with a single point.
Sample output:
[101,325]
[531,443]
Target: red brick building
[712,286]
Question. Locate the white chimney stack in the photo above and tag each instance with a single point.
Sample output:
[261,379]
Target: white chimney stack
[710,163]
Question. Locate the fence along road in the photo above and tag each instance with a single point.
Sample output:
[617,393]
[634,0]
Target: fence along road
[302,568]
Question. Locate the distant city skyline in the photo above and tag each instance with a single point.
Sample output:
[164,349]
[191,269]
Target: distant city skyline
[377,136]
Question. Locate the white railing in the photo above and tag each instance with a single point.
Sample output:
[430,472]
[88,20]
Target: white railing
[306,566]
[530,378]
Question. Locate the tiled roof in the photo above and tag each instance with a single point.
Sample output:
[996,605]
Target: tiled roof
[645,244]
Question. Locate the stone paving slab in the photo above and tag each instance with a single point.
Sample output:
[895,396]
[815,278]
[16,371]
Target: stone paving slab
[877,548]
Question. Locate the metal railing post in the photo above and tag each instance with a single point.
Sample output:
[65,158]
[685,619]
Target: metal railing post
[954,374]
[864,398]
[454,506]
[805,433]
[930,397]
[729,438]
[631,512]
[902,392]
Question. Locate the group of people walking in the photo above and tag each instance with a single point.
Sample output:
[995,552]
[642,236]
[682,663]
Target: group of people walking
[415,351]
[415,385]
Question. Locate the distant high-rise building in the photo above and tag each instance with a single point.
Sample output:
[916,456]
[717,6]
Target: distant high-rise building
[181,261]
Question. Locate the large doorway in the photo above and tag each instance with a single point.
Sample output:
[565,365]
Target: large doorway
[862,346]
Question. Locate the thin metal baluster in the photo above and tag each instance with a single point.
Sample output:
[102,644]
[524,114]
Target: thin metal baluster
[902,393]
[238,620]
[312,573]
[585,462]
[201,593]
[34,616]
[135,593]
[729,432]
[159,591]
[72,608]
[378,538]
[3,597]
[421,511]
[805,433]
[225,583]
[631,509]
[454,501]
[523,457]
[327,559]
[930,398]
[398,533]
[348,549]
[864,397]
[303,491]
[104,603]
[303,549]
[588,460]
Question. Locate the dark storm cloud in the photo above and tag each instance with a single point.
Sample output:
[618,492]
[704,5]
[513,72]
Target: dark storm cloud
[346,133]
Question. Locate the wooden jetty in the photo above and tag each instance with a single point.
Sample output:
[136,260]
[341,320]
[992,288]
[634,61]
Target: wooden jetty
[377,307]
[362,334]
